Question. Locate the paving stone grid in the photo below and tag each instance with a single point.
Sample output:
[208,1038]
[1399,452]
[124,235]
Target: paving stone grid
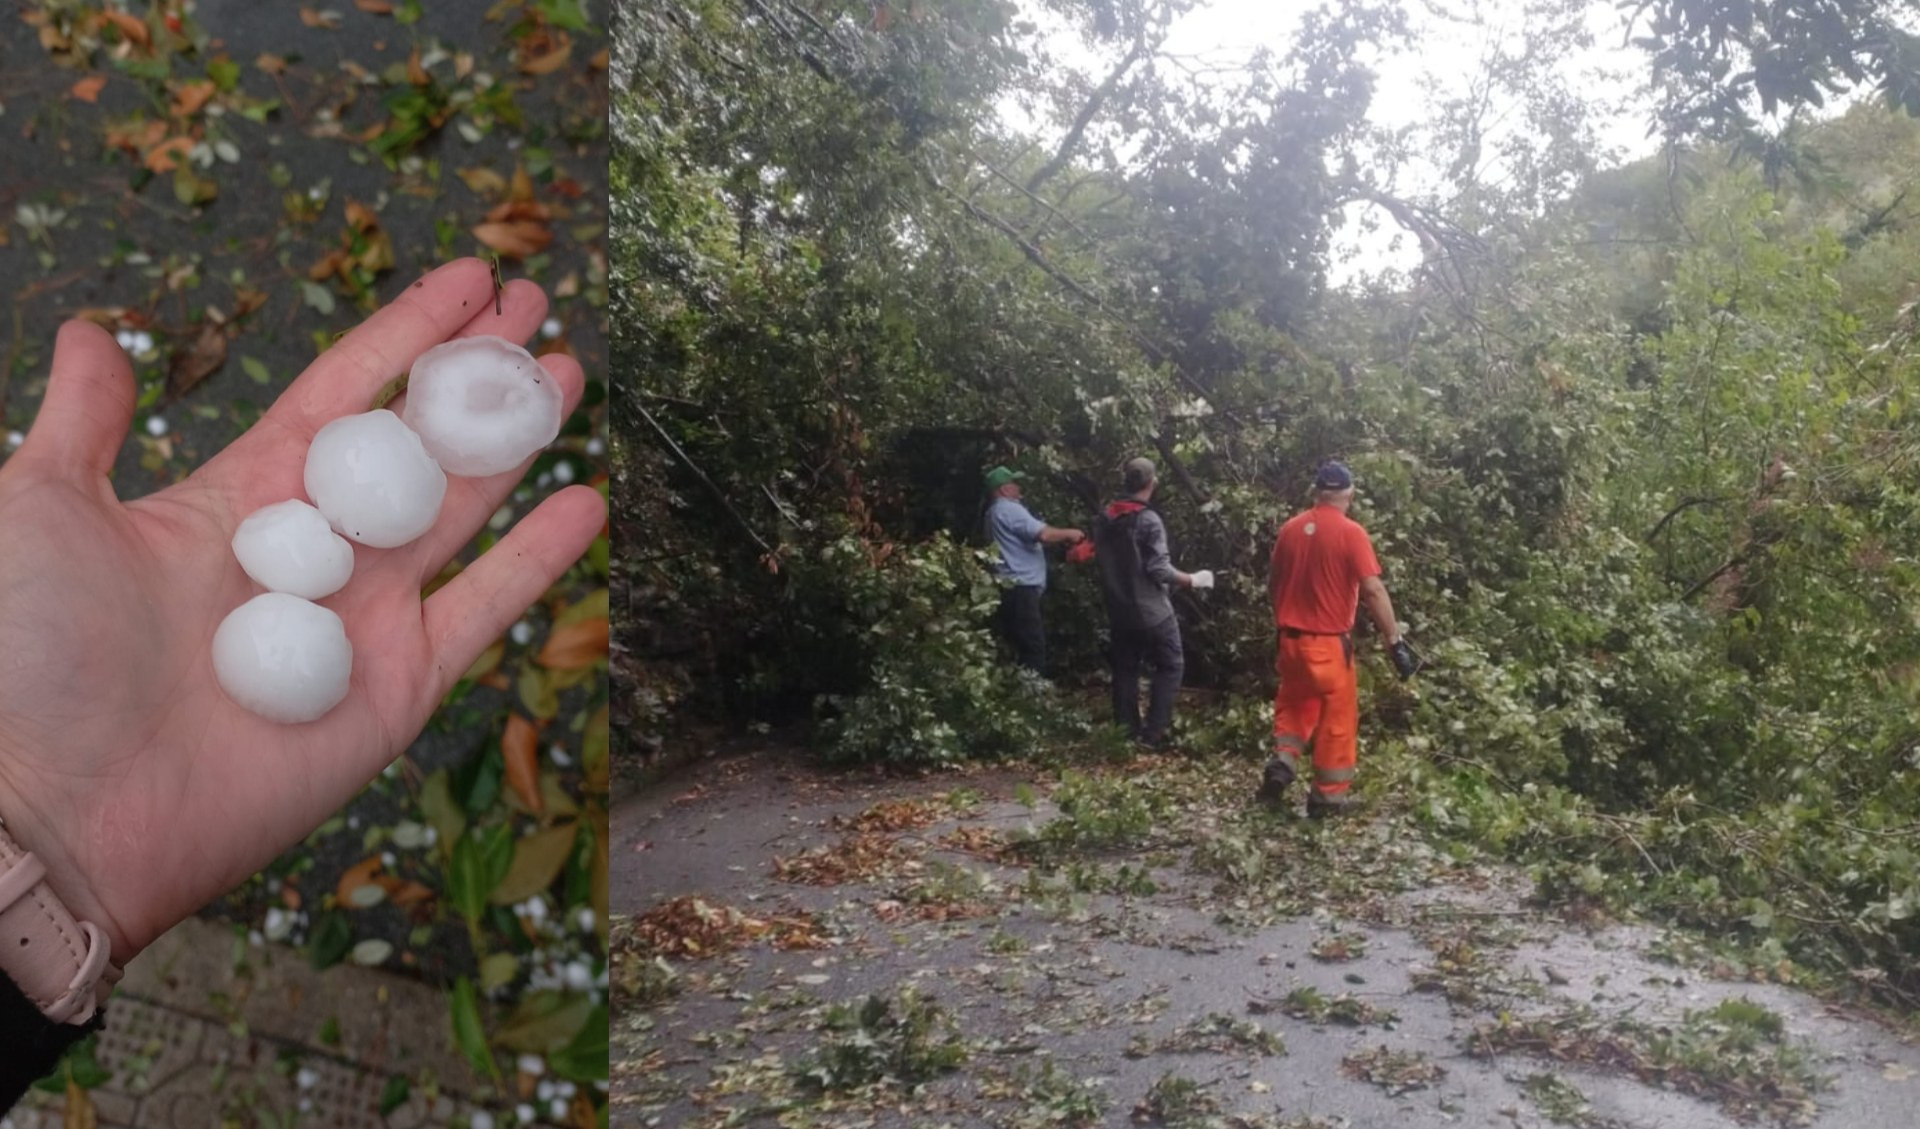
[196,1038]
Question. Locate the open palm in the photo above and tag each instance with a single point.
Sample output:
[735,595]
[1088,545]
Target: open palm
[123,765]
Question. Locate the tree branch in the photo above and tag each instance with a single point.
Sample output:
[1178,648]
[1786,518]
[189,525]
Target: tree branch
[1085,118]
[1685,504]
[719,494]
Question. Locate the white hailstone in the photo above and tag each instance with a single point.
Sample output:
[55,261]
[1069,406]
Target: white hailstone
[482,405]
[501,518]
[544,1091]
[525,1113]
[584,919]
[142,342]
[388,860]
[307,1079]
[289,547]
[560,756]
[14,439]
[481,1119]
[279,924]
[533,1066]
[521,633]
[557,1110]
[125,339]
[256,938]
[579,975]
[550,328]
[157,426]
[283,657]
[563,473]
[545,480]
[373,479]
[565,1089]
[596,447]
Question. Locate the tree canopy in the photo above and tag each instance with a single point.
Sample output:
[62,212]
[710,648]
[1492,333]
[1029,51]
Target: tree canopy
[1635,442]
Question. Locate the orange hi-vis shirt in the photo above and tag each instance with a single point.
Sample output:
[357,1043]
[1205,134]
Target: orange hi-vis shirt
[1319,560]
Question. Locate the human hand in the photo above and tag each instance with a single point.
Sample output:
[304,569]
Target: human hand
[123,766]
[1202,579]
[1074,536]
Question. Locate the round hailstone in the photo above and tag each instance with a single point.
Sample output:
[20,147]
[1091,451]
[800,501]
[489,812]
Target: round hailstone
[289,547]
[283,658]
[374,481]
[482,405]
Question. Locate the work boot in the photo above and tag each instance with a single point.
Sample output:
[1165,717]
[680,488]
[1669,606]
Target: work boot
[1274,783]
[1319,807]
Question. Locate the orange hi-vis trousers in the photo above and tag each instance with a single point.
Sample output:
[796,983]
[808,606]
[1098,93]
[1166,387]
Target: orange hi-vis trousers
[1318,705]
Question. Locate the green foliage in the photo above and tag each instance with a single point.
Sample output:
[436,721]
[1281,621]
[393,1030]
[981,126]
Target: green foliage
[1177,1102]
[1098,814]
[1635,446]
[903,1042]
[1050,1096]
[936,691]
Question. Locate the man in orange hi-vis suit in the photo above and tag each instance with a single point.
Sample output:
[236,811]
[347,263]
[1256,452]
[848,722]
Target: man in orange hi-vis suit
[1323,567]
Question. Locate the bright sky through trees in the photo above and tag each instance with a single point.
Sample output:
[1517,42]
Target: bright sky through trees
[1450,46]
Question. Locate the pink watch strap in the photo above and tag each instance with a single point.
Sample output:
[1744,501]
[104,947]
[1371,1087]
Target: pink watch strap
[64,966]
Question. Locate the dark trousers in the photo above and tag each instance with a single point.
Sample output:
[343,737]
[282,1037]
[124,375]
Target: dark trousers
[1159,647]
[1020,621]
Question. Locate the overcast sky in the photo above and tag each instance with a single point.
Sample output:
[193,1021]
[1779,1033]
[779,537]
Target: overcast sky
[1227,31]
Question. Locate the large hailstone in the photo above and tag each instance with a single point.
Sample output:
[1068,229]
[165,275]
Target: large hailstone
[289,547]
[283,657]
[374,481]
[482,405]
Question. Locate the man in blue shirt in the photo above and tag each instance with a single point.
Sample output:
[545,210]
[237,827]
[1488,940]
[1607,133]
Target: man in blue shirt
[1023,560]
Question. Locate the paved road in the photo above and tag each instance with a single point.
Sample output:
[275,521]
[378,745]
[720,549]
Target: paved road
[1101,986]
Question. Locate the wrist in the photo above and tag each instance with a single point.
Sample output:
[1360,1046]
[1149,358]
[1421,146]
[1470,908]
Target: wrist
[56,935]
[60,960]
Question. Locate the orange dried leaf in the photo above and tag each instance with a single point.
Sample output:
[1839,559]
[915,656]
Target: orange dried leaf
[327,267]
[167,155]
[548,63]
[271,64]
[197,361]
[246,300]
[311,18]
[600,60]
[359,874]
[361,217]
[416,73]
[80,1112]
[484,182]
[522,184]
[191,97]
[516,239]
[377,7]
[520,748]
[402,892]
[88,89]
[131,26]
[574,646]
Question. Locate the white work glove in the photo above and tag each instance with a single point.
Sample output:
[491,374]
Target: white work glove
[1203,578]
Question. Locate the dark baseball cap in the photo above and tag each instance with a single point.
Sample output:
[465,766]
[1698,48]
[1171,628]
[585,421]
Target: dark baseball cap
[1333,476]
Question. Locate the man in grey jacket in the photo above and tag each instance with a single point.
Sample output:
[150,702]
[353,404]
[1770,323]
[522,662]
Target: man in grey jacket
[1135,576]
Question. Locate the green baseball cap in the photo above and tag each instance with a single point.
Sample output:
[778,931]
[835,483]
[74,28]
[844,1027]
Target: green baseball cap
[999,476]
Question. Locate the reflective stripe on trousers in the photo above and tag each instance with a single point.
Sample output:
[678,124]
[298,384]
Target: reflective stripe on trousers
[1319,705]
